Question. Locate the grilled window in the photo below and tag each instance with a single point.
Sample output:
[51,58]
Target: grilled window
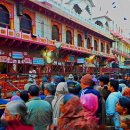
[79,40]
[55,33]
[26,24]
[4,17]
[68,37]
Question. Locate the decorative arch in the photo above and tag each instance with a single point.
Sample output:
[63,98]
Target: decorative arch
[99,23]
[26,24]
[95,45]
[4,17]
[32,15]
[68,37]
[55,33]
[70,30]
[80,39]
[59,27]
[10,7]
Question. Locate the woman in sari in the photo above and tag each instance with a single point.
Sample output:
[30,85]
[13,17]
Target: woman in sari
[61,90]
[76,117]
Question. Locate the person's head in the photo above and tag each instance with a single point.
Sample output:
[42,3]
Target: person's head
[123,106]
[62,79]
[24,95]
[70,105]
[44,79]
[49,89]
[95,81]
[89,103]
[62,88]
[33,91]
[86,81]
[15,110]
[126,92]
[30,80]
[113,85]
[71,77]
[104,79]
[76,78]
[14,98]
[66,98]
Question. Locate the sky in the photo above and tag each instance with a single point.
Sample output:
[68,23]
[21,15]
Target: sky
[117,10]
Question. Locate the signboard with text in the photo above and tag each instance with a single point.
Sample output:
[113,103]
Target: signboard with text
[17,55]
[38,61]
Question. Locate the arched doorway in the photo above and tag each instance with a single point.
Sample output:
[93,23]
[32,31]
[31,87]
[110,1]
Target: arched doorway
[26,24]
[55,33]
[79,40]
[4,17]
[68,37]
[99,23]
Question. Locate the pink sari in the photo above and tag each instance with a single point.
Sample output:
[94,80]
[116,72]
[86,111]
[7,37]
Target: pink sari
[76,118]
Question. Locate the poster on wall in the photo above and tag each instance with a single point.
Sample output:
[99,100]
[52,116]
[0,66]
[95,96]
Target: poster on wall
[38,61]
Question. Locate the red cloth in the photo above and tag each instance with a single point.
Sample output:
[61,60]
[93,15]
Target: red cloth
[75,118]
[17,125]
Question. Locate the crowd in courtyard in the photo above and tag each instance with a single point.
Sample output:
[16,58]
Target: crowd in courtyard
[73,102]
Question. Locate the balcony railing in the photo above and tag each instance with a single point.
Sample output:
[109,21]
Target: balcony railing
[74,14]
[121,53]
[44,41]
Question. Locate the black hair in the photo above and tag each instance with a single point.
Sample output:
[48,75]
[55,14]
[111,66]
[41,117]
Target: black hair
[67,97]
[51,88]
[24,95]
[76,77]
[33,90]
[115,84]
[125,103]
[104,79]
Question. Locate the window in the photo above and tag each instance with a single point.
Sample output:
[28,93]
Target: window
[4,17]
[99,23]
[95,45]
[88,43]
[102,47]
[79,40]
[68,37]
[26,24]
[108,49]
[55,33]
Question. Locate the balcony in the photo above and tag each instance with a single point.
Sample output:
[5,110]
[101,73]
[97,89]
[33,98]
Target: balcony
[12,34]
[73,16]
[127,55]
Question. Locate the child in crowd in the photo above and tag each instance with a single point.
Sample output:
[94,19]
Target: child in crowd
[123,108]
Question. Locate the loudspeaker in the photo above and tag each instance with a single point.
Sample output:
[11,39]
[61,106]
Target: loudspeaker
[86,35]
[19,7]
